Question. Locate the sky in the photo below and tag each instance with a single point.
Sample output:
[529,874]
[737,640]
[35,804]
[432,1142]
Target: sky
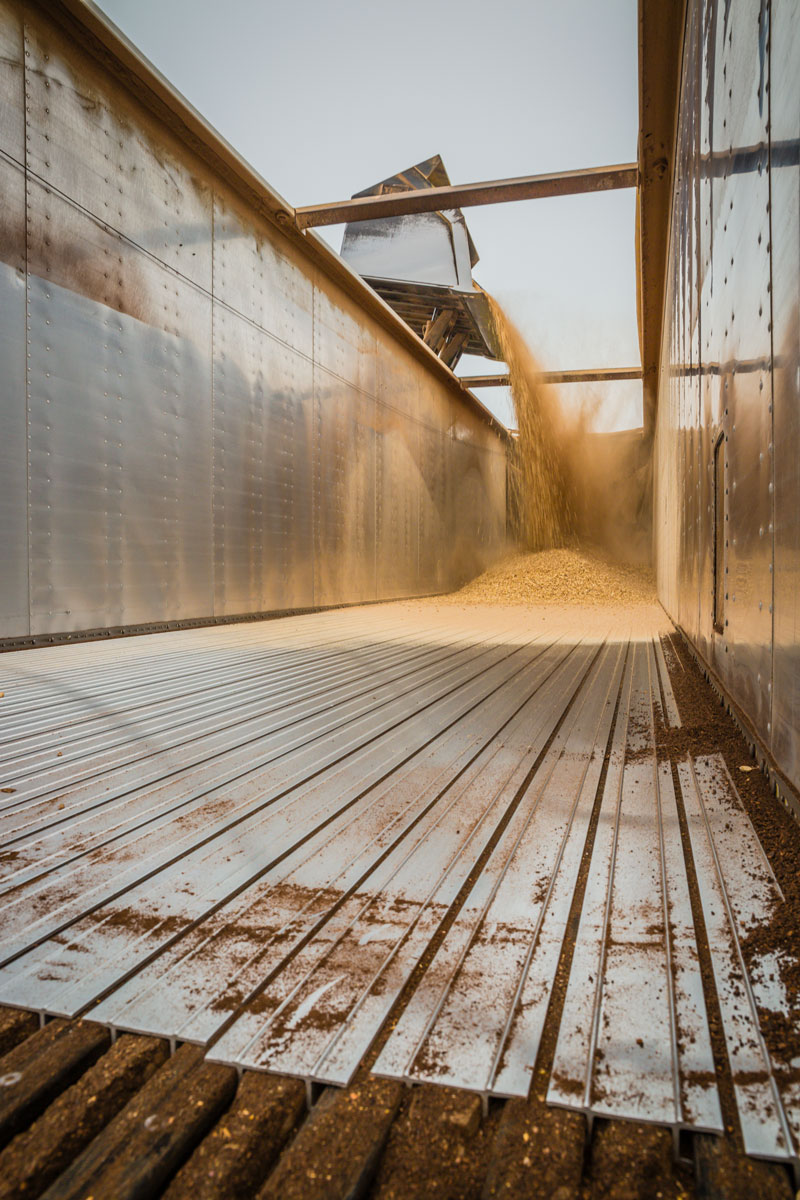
[325,99]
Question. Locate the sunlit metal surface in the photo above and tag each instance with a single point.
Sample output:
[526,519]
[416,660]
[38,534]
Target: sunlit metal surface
[196,420]
[739,893]
[487,989]
[726,453]
[253,837]
[634,1037]
[785,238]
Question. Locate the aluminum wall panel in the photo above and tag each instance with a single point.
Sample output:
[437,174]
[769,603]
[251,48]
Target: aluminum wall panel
[208,424]
[74,462]
[262,409]
[704,35]
[741,343]
[345,344]
[397,457]
[260,279]
[240,448]
[166,490]
[14,617]
[12,81]
[119,440]
[288,476]
[433,508]
[262,470]
[785,216]
[730,362]
[689,388]
[344,492]
[343,450]
[472,481]
[85,140]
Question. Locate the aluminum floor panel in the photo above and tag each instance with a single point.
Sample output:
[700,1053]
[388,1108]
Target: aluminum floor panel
[343,852]
[253,718]
[634,1039]
[470,994]
[375,950]
[216,801]
[353,824]
[253,838]
[738,892]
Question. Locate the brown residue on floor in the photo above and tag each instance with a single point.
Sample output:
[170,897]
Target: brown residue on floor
[708,728]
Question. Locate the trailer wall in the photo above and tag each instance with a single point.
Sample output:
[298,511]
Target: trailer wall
[727,447]
[197,417]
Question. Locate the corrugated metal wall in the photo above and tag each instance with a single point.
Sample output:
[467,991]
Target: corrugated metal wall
[195,420]
[727,454]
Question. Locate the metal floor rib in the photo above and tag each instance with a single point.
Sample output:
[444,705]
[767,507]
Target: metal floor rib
[251,837]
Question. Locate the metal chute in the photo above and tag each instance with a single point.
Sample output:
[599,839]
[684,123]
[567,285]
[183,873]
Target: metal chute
[421,265]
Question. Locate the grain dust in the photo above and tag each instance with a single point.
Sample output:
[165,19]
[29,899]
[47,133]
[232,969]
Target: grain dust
[569,484]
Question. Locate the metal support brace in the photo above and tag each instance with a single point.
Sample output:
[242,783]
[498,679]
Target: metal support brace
[437,199]
[603,375]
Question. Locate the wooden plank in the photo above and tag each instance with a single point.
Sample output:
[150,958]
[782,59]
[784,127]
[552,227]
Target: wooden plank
[722,1170]
[438,1147]
[592,375]
[538,1152]
[465,195]
[42,1066]
[453,348]
[233,1160]
[439,329]
[37,1156]
[628,1157]
[15,1025]
[137,1154]
[337,1150]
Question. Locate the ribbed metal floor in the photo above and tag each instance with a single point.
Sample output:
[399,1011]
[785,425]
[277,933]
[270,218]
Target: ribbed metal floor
[254,837]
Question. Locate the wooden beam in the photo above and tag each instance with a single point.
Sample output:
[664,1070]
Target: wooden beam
[661,29]
[453,349]
[603,375]
[439,328]
[497,191]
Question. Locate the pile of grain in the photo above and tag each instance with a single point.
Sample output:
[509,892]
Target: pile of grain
[563,576]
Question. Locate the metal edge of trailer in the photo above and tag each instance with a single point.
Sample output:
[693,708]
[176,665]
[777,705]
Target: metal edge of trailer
[83,20]
[662,30]
[786,792]
[102,633]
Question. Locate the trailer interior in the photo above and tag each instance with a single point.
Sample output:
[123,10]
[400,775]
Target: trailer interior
[332,863]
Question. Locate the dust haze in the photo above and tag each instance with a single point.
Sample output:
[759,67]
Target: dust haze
[571,487]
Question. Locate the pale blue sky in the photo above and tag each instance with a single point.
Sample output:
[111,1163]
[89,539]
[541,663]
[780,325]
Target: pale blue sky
[325,99]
